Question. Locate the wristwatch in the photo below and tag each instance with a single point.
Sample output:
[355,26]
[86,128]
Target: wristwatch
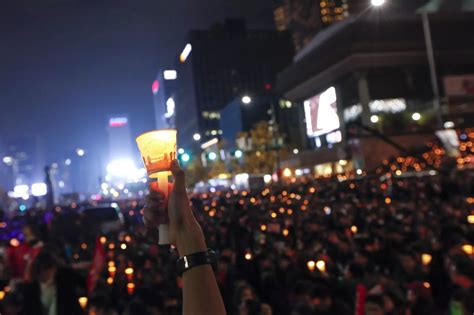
[188,262]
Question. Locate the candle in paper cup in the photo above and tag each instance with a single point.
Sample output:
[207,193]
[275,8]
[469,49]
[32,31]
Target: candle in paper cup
[158,149]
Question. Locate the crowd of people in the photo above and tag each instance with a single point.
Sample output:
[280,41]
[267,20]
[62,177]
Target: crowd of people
[370,244]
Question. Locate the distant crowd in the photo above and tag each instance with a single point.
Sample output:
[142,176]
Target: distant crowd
[398,242]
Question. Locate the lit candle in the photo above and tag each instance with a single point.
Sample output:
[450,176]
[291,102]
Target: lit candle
[311,265]
[321,265]
[426,259]
[83,302]
[130,287]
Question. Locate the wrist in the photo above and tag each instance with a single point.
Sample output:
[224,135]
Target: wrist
[190,240]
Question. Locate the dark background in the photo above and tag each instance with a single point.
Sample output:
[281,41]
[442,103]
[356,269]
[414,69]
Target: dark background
[65,65]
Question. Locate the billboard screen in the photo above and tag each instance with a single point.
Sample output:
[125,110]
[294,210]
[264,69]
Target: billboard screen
[321,113]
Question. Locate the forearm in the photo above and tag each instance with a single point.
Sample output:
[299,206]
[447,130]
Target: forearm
[200,291]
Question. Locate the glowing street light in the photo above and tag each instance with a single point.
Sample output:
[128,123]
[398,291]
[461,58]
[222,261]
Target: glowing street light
[80,152]
[374,119]
[185,157]
[377,3]
[196,137]
[8,160]
[238,154]
[416,116]
[246,99]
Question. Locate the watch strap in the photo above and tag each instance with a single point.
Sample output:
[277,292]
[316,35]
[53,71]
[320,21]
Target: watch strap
[191,261]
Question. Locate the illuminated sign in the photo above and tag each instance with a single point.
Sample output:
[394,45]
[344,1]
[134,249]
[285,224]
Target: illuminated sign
[155,86]
[321,113]
[185,53]
[118,121]
[170,75]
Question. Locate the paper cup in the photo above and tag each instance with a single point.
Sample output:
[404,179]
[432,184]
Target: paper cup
[158,149]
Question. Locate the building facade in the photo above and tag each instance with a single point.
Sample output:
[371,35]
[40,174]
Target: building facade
[220,64]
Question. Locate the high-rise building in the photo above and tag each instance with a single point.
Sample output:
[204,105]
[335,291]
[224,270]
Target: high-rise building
[222,63]
[120,139]
[305,18]
[164,90]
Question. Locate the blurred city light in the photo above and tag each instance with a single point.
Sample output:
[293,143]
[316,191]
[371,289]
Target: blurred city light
[449,125]
[39,189]
[321,265]
[180,151]
[124,169]
[170,107]
[170,75]
[8,160]
[374,119]
[287,172]
[196,137]
[20,191]
[311,265]
[377,3]
[212,156]
[296,151]
[343,162]
[267,178]
[416,116]
[80,152]
[155,86]
[238,154]
[185,53]
[246,99]
[185,157]
[68,162]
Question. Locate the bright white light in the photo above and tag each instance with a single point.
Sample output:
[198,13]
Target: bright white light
[374,119]
[449,125]
[298,172]
[185,157]
[39,189]
[296,151]
[377,3]
[287,172]
[416,116]
[104,186]
[123,168]
[61,184]
[20,191]
[180,151]
[196,137]
[80,152]
[267,178]
[170,74]
[238,154]
[68,162]
[359,171]
[212,156]
[185,53]
[246,99]
[170,107]
[114,205]
[8,160]
[214,132]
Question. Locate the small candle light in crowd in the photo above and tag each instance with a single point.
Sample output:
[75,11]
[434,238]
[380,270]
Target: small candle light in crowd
[252,200]
[398,172]
[273,215]
[83,302]
[130,287]
[7,289]
[312,190]
[111,263]
[352,186]
[289,211]
[321,265]
[76,256]
[388,200]
[248,256]
[427,285]
[84,246]
[327,210]
[111,246]
[263,227]
[129,273]
[285,232]
[426,259]
[14,242]
[470,218]
[110,280]
[123,246]
[2,295]
[467,248]
[128,238]
[311,265]
[281,210]
[112,271]
[303,208]
[354,229]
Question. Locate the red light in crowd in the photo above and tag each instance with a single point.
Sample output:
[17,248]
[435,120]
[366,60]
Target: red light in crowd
[155,86]
[268,86]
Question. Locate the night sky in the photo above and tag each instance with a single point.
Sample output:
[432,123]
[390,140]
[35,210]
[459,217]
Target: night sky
[65,65]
